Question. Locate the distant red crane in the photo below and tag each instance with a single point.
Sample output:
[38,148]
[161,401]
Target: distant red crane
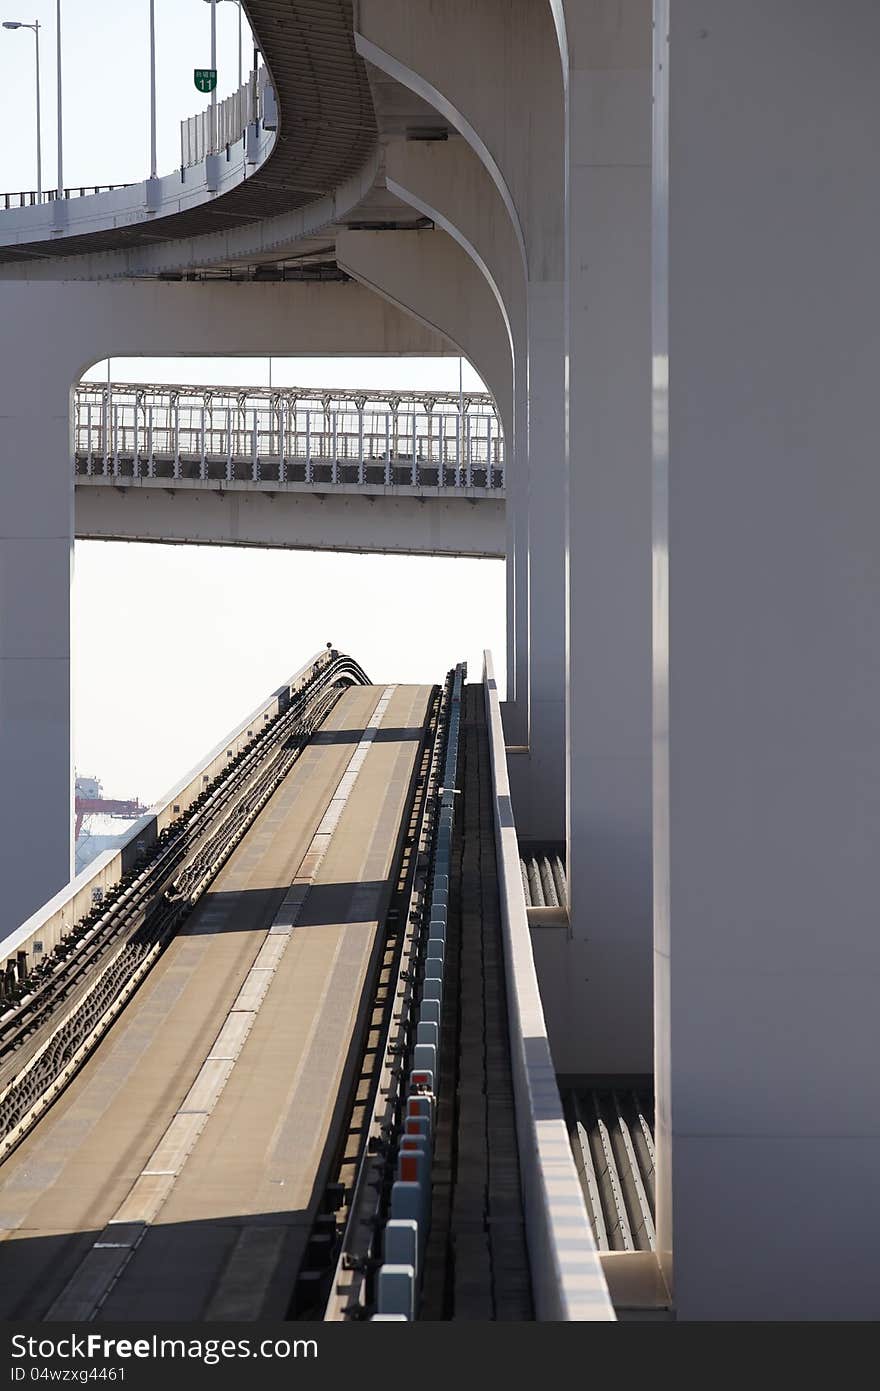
[90,801]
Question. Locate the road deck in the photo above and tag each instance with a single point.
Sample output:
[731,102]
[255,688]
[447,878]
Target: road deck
[236,1147]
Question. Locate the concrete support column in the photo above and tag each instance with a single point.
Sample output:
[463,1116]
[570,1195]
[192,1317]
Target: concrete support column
[538,777]
[599,975]
[466,61]
[36,555]
[767,655]
[448,182]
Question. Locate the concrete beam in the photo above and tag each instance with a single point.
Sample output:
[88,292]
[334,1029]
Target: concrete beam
[88,322]
[280,517]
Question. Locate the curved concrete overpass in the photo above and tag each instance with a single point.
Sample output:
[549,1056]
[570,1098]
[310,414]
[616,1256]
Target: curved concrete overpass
[269,205]
[326,132]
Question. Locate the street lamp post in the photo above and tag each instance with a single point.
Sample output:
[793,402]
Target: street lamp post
[152,89]
[58,62]
[14,24]
[238,3]
[214,66]
[214,49]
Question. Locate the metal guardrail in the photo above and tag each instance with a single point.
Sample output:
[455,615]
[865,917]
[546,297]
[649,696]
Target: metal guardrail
[208,132]
[403,1237]
[31,199]
[290,435]
[362,1245]
[567,1278]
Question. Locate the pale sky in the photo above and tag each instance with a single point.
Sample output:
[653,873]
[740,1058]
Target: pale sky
[173,645]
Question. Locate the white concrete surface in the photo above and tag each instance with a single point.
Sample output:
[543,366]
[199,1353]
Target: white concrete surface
[767,635]
[599,977]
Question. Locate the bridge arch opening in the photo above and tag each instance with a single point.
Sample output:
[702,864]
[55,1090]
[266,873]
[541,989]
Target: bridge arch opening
[208,579]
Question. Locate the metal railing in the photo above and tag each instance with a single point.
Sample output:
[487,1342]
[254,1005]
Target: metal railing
[295,435]
[209,132]
[31,199]
[214,129]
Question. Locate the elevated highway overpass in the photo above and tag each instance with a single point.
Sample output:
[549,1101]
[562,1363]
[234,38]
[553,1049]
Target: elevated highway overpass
[670,292]
[313,469]
[268,177]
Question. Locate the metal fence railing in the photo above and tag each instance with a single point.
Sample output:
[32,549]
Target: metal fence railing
[289,436]
[209,132]
[212,130]
[31,199]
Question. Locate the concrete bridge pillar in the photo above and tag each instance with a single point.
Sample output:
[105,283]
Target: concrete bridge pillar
[599,973]
[36,557]
[493,71]
[538,777]
[767,655]
[448,182]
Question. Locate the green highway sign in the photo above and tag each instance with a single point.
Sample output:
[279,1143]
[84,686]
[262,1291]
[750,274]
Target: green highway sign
[205,79]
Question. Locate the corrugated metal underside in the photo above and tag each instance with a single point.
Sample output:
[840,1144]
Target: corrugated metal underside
[612,1138]
[327,128]
[543,875]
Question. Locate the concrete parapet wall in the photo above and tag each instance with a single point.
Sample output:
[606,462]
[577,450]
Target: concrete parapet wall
[567,1278]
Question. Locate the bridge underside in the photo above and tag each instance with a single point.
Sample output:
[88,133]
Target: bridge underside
[291,517]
